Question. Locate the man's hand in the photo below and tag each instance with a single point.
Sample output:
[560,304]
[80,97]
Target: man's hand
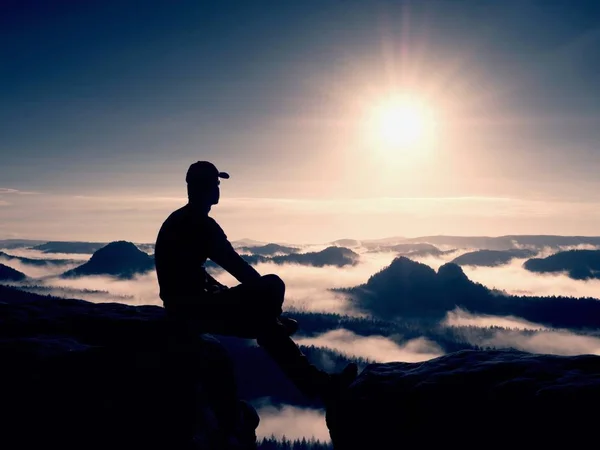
[212,285]
[290,325]
[216,288]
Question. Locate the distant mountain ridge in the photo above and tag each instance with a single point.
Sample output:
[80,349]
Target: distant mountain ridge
[579,264]
[331,256]
[269,249]
[491,258]
[509,242]
[417,249]
[69,247]
[506,242]
[9,274]
[19,243]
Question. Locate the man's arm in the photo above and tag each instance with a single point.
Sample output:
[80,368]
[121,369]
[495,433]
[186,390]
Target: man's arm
[222,252]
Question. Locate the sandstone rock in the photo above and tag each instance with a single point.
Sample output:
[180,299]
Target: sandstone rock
[78,375]
[471,399]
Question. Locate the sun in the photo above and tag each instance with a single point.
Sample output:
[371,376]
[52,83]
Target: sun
[402,124]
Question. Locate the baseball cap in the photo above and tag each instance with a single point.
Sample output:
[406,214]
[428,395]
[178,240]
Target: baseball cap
[202,171]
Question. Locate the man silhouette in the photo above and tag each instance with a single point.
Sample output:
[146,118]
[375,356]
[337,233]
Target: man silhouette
[252,309]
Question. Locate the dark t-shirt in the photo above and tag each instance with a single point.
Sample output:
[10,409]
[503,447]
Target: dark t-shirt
[186,239]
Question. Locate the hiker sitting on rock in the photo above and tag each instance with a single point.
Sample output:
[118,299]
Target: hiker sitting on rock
[252,309]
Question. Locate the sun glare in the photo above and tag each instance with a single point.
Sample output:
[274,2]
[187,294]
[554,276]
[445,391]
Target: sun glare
[402,125]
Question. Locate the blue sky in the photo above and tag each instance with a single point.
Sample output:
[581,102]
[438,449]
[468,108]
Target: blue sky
[105,104]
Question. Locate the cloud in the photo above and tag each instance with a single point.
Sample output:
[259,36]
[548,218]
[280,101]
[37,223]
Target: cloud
[138,217]
[461,318]
[528,336]
[375,348]
[419,205]
[141,290]
[293,423]
[37,271]
[64,217]
[42,272]
[549,342]
[514,279]
[4,203]
[38,254]
[8,191]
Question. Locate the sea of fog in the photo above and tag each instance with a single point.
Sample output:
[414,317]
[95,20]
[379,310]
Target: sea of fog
[308,289]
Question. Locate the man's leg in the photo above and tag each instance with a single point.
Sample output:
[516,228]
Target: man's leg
[253,310]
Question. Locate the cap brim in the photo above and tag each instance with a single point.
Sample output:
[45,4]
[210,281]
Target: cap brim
[223,175]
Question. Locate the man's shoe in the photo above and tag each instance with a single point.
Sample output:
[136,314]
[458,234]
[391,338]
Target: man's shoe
[338,383]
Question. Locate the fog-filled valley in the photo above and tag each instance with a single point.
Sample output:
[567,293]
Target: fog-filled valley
[390,300]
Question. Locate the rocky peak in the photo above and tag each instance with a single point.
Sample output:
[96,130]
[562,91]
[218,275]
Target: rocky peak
[451,272]
[121,258]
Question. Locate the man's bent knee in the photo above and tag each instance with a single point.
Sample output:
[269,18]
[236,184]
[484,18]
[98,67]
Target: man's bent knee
[272,294]
[274,285]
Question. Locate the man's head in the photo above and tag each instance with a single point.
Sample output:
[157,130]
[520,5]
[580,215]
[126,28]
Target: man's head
[202,180]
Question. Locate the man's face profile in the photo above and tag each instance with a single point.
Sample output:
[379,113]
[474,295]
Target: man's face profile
[206,192]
